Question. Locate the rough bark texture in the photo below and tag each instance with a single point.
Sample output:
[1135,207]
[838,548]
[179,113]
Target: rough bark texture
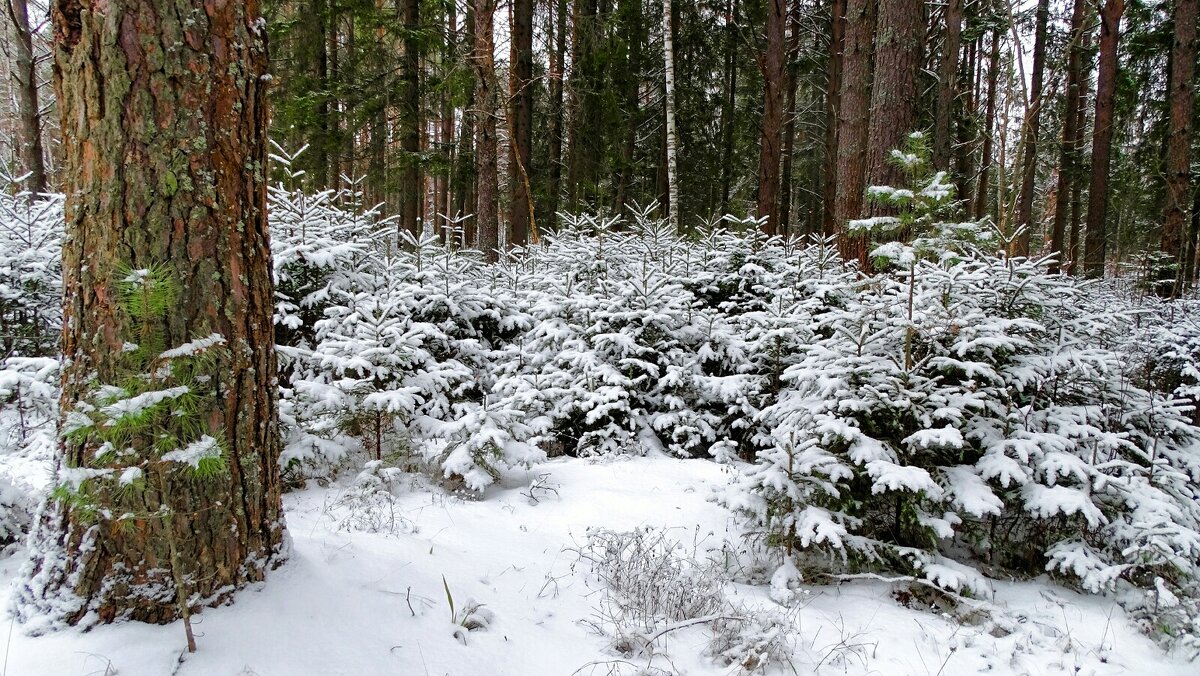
[1069,162]
[163,110]
[855,99]
[29,116]
[520,84]
[947,81]
[485,130]
[1179,137]
[1033,123]
[1102,133]
[772,62]
[894,95]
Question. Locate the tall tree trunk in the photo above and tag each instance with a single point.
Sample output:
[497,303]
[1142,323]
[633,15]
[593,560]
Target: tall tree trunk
[166,172]
[336,142]
[672,142]
[965,128]
[486,216]
[449,52]
[411,187]
[894,94]
[557,110]
[989,130]
[833,85]
[943,142]
[1069,162]
[729,102]
[521,123]
[1076,197]
[464,192]
[1102,133]
[772,61]
[789,125]
[29,131]
[853,117]
[1033,123]
[1179,138]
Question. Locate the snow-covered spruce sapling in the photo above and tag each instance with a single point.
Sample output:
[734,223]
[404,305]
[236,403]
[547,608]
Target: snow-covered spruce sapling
[146,429]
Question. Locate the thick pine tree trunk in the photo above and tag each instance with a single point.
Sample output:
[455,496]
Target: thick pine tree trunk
[29,136]
[894,95]
[772,61]
[1096,239]
[165,121]
[1033,123]
[486,216]
[853,116]
[557,111]
[521,125]
[1179,138]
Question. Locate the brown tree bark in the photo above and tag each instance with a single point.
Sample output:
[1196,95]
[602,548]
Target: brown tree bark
[1179,139]
[29,129]
[943,142]
[520,83]
[833,85]
[1068,166]
[1033,123]
[894,96]
[486,216]
[164,117]
[772,62]
[855,100]
[1096,239]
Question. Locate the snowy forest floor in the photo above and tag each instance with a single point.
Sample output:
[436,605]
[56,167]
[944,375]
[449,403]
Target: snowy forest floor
[355,602]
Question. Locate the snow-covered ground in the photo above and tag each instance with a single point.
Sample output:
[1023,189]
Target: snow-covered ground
[360,603]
